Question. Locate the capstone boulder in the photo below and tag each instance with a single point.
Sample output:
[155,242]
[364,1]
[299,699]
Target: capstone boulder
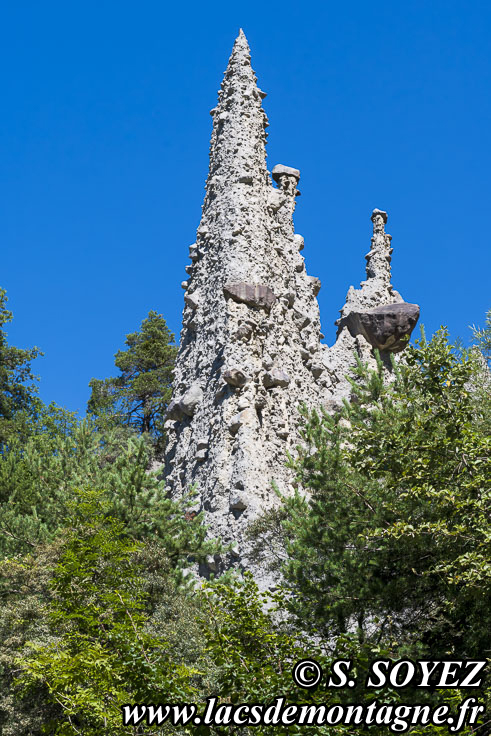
[388,327]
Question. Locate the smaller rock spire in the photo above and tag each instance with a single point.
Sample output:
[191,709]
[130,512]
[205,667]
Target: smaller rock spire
[377,289]
[379,257]
[374,316]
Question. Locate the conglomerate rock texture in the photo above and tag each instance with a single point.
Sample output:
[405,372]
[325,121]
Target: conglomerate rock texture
[250,351]
[374,316]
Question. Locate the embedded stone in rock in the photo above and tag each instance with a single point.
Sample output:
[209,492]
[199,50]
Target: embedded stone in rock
[192,300]
[280,170]
[235,377]
[235,424]
[299,241]
[376,213]
[317,369]
[191,399]
[301,319]
[254,295]
[248,416]
[290,298]
[315,284]
[237,503]
[243,403]
[174,411]
[260,401]
[387,327]
[243,333]
[276,377]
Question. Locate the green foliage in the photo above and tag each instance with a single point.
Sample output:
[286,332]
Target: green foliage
[38,622]
[254,651]
[482,337]
[39,479]
[397,529]
[77,575]
[24,593]
[103,655]
[254,647]
[18,400]
[387,552]
[139,395]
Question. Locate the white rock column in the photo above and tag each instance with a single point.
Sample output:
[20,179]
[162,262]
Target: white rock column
[249,351]
[374,316]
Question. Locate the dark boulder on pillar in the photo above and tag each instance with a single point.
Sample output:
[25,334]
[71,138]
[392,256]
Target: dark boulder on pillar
[387,328]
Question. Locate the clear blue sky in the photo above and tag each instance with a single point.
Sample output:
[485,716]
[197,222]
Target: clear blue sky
[105,129]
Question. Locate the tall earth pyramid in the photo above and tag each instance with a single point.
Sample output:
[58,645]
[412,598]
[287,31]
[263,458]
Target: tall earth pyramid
[250,351]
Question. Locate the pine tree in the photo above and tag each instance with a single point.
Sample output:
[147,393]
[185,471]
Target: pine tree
[40,478]
[394,540]
[18,400]
[101,655]
[138,396]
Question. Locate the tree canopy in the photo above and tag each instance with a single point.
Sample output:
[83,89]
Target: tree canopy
[139,395]
[18,399]
[393,539]
[384,550]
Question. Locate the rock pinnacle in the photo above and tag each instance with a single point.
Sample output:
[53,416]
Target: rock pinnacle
[374,316]
[249,352]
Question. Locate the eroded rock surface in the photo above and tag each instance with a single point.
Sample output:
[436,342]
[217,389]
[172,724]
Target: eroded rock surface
[250,350]
[251,333]
[374,316]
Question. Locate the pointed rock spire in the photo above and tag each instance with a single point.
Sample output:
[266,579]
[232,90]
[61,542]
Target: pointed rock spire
[249,353]
[374,316]
[241,46]
[377,290]
[238,140]
[238,182]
